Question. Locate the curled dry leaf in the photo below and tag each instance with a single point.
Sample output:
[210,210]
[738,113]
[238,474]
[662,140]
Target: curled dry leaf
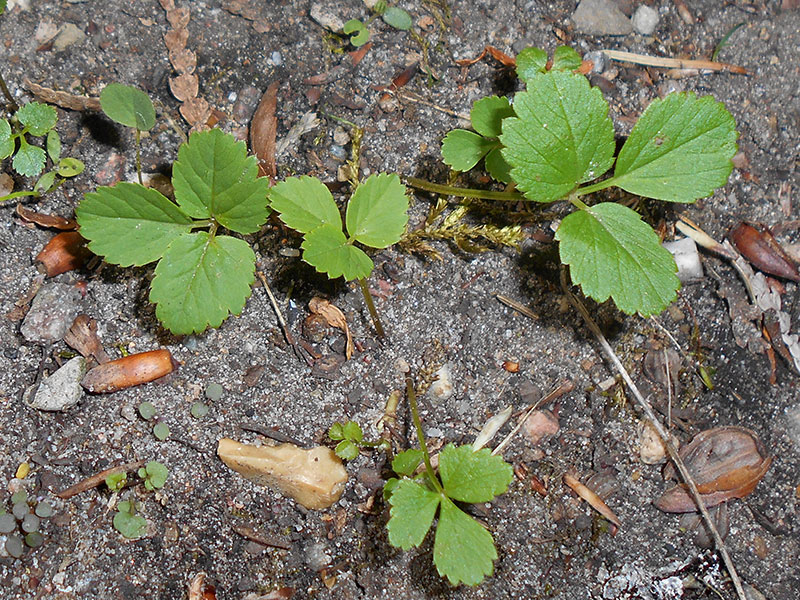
[129,371]
[757,244]
[263,132]
[64,252]
[591,498]
[335,318]
[82,336]
[199,590]
[43,220]
[491,427]
[314,478]
[725,462]
[184,87]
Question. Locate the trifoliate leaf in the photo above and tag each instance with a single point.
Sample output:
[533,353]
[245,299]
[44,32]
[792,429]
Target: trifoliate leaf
[128,106]
[470,476]
[304,203]
[497,166]
[561,136]
[376,213]
[359,34]
[397,18]
[29,160]
[155,475]
[530,63]
[53,145]
[70,167]
[412,512]
[130,224]
[487,115]
[326,249]
[462,149]
[612,252]
[566,59]
[200,280]
[679,150]
[6,142]
[37,118]
[463,550]
[214,177]
[406,462]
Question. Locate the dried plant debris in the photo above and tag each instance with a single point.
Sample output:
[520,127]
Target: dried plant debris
[263,132]
[45,220]
[64,252]
[131,370]
[725,462]
[82,336]
[335,318]
[62,99]
[757,244]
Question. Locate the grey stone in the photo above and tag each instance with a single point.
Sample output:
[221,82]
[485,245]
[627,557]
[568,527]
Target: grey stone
[62,390]
[69,34]
[52,312]
[601,17]
[645,20]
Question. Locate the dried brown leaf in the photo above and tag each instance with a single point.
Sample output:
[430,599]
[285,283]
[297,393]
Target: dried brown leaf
[64,252]
[183,60]
[82,336]
[335,318]
[167,4]
[196,112]
[263,132]
[43,220]
[62,99]
[757,244]
[184,87]
[178,17]
[591,498]
[175,39]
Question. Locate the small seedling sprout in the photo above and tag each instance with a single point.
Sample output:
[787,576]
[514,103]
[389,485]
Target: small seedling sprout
[131,107]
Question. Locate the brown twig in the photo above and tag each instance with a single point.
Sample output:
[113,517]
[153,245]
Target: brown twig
[98,479]
[674,63]
[260,538]
[284,327]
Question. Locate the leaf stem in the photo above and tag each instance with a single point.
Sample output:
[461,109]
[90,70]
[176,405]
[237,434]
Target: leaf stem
[371,307]
[577,202]
[595,187]
[138,158]
[12,105]
[449,190]
[17,195]
[412,402]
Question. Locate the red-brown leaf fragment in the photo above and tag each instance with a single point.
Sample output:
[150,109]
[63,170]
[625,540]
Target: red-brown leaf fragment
[43,220]
[82,336]
[757,245]
[64,252]
[263,132]
[129,371]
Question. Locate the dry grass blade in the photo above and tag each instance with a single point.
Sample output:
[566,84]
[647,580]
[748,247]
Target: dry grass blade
[263,132]
[673,63]
[591,498]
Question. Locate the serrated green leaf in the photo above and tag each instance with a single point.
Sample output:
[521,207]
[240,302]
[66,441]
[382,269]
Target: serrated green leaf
[561,136]
[487,115]
[397,18]
[352,431]
[70,167]
[2,6]
[326,249]
[128,106]
[566,59]
[412,512]
[377,211]
[530,63]
[45,183]
[679,150]
[406,462]
[463,550]
[336,431]
[497,166]
[470,476]
[29,160]
[462,149]
[6,141]
[214,177]
[200,280]
[37,118]
[346,450]
[612,252]
[304,203]
[359,34]
[130,224]
[155,473]
[53,145]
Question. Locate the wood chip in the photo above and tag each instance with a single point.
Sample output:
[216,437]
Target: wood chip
[184,87]
[263,132]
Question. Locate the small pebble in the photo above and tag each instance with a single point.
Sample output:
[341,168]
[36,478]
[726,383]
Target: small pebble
[598,61]
[325,17]
[645,20]
[61,390]
[54,308]
[338,151]
[69,34]
[601,17]
[128,412]
[686,256]
[275,59]
[340,136]
[442,388]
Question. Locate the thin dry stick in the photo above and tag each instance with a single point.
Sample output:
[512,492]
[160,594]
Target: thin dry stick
[284,327]
[98,478]
[662,433]
[673,63]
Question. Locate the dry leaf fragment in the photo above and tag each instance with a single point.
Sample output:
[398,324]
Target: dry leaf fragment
[175,39]
[757,244]
[6,185]
[129,371]
[199,590]
[167,4]
[64,252]
[263,132]
[539,425]
[62,99]
[43,220]
[725,462]
[82,336]
[183,60]
[184,87]
[591,498]
[315,478]
[335,318]
[196,111]
[178,17]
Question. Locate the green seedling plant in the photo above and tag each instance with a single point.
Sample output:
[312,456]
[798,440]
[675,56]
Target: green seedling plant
[392,15]
[375,217]
[202,276]
[560,136]
[463,549]
[21,527]
[154,475]
[131,107]
[37,120]
[351,439]
[127,522]
[130,524]
[116,481]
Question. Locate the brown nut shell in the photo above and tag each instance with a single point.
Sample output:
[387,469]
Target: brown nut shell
[757,245]
[64,252]
[128,371]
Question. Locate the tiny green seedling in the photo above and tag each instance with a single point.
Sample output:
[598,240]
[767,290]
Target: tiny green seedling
[463,550]
[351,440]
[131,107]
[201,276]
[154,474]
[161,431]
[127,522]
[116,481]
[376,217]
[393,16]
[358,32]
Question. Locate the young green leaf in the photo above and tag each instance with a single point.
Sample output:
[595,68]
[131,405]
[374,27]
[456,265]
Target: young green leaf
[470,476]
[412,512]
[561,136]
[304,203]
[566,59]
[155,475]
[127,522]
[130,224]
[336,431]
[397,18]
[53,145]
[116,481]
[6,141]
[352,431]
[37,118]
[29,160]
[346,450]
[530,63]
[2,6]
[128,106]
[679,150]
[376,213]
[214,177]
[462,149]
[497,166]
[487,115]
[326,249]
[463,550]
[45,183]
[200,280]
[161,431]
[359,34]
[70,167]
[406,462]
[612,252]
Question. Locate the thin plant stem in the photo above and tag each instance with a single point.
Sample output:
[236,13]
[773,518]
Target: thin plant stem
[595,187]
[12,105]
[412,403]
[662,433]
[371,307]
[138,158]
[449,190]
